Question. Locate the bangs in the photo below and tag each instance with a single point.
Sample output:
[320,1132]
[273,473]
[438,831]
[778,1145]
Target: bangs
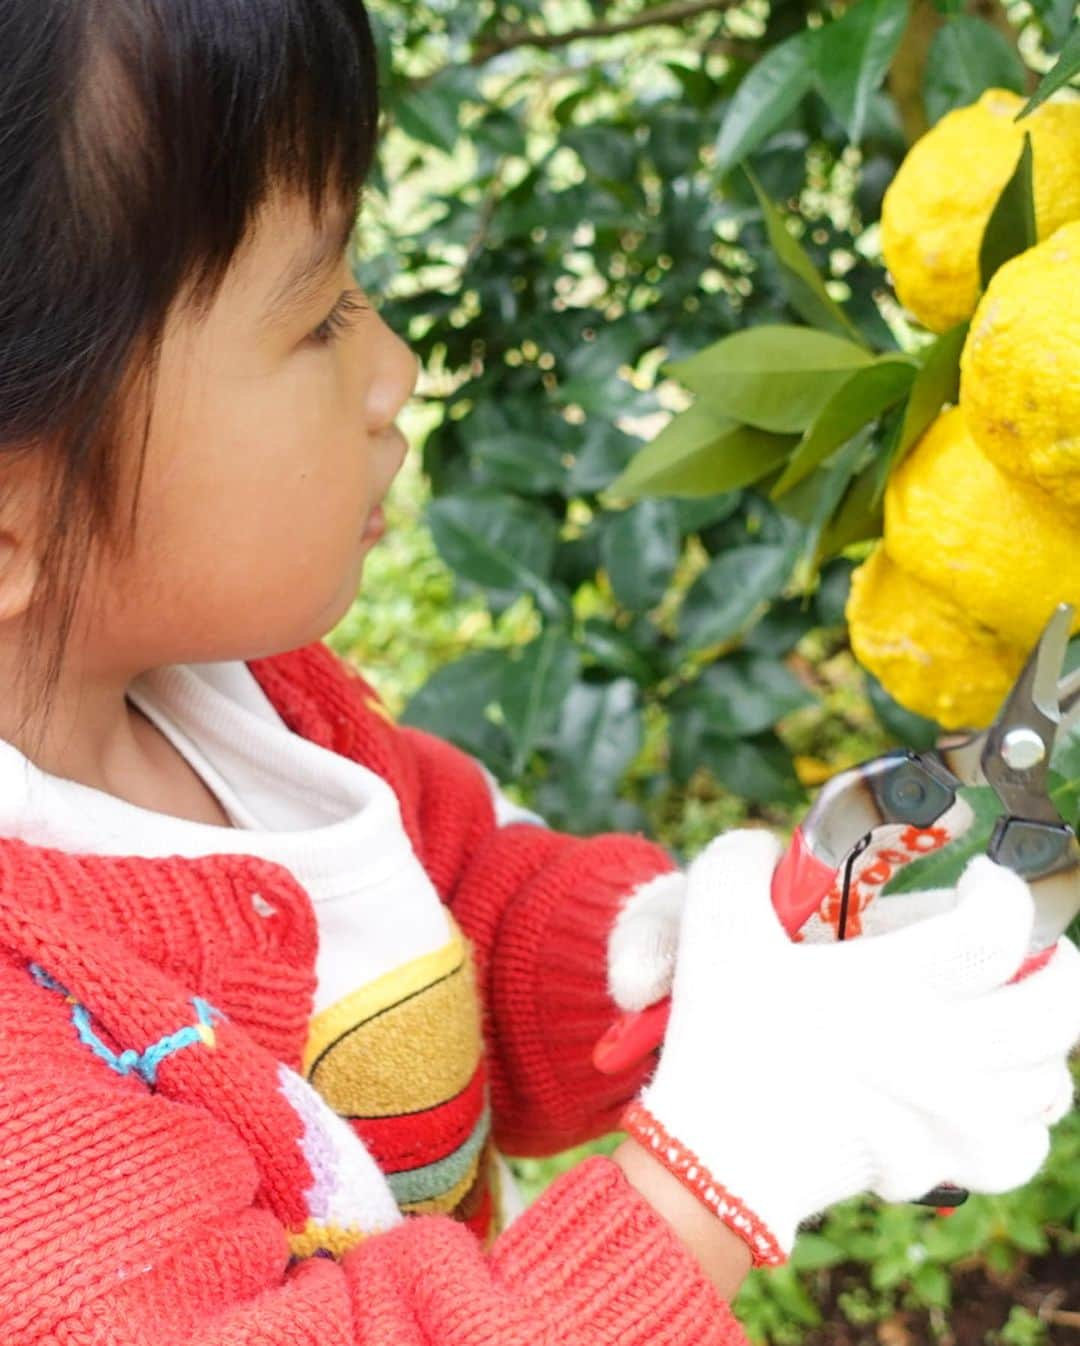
[187,114]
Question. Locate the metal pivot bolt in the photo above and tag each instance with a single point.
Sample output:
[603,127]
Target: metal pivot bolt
[1022,749]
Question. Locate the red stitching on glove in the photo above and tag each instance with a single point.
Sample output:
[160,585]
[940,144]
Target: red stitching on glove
[683,1164]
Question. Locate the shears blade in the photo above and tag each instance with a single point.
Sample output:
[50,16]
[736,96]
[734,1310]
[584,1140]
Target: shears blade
[1015,759]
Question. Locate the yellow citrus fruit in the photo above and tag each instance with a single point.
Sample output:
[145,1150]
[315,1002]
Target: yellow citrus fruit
[937,206]
[1003,550]
[1020,370]
[924,650]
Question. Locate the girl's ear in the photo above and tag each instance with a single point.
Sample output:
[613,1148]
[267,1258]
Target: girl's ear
[18,575]
[19,559]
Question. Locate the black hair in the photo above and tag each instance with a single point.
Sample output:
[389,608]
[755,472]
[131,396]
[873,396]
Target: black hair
[138,139]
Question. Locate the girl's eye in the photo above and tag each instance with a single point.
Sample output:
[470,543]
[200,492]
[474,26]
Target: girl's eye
[341,318]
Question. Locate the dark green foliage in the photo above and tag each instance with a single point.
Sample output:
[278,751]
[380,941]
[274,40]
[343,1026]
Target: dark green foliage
[605,232]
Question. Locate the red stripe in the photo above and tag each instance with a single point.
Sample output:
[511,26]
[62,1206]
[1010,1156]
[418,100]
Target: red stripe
[419,1138]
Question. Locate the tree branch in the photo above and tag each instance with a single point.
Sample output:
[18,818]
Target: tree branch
[662,14]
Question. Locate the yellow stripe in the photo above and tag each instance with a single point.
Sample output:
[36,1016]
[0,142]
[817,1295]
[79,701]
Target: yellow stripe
[416,1055]
[315,1236]
[378,995]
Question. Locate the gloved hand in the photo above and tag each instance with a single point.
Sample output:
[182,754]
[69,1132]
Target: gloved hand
[798,1075]
[643,940]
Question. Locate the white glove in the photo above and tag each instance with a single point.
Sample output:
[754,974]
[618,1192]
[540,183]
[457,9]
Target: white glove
[642,943]
[803,1074]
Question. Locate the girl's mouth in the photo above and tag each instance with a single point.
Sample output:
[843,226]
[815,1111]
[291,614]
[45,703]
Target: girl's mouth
[375,527]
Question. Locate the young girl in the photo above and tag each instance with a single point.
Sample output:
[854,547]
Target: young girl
[279,981]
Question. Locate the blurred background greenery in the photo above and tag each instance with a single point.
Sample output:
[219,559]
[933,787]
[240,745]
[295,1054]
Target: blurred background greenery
[555,216]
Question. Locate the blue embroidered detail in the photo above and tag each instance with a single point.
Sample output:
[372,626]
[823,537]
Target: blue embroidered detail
[144,1064]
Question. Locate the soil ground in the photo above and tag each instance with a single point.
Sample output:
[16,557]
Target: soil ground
[1048,1286]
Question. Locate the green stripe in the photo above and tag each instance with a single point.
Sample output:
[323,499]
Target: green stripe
[422,1184]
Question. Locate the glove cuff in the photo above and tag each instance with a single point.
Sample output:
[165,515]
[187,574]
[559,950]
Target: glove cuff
[765,1249]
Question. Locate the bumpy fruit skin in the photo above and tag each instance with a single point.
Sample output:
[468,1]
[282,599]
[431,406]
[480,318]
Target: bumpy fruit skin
[1004,551]
[935,211]
[1020,370]
[924,650]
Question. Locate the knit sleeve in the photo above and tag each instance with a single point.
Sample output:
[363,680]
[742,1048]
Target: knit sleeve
[130,1219]
[538,906]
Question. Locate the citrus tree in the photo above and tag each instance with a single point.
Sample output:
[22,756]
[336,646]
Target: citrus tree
[671,377]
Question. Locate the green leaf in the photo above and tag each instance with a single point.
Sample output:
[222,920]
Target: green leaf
[1025,1232]
[806,292]
[726,594]
[936,383]
[853,57]
[674,142]
[699,453]
[526,464]
[861,398]
[600,733]
[699,88]
[759,769]
[577,559]
[534,688]
[1066,758]
[454,702]
[859,516]
[1065,69]
[640,550]
[501,133]
[815,500]
[942,869]
[967,57]
[744,694]
[604,454]
[781,629]
[932,1285]
[695,515]
[1056,18]
[431,114]
[500,543]
[765,98]
[1065,775]
[615,650]
[834,586]
[813,1252]
[608,154]
[384,45]
[775,377]
[908,729]
[1011,227]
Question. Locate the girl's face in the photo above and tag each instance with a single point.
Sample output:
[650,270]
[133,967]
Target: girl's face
[272,445]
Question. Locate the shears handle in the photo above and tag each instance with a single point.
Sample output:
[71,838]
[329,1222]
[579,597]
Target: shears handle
[889,810]
[878,818]
[800,883]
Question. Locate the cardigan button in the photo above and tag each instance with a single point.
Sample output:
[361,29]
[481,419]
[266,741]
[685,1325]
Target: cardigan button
[262,906]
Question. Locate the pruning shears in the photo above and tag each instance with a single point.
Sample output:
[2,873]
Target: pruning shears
[873,819]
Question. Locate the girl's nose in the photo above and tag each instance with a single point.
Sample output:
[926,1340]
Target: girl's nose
[396,376]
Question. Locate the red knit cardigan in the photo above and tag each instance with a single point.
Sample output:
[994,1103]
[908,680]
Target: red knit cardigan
[157,1213]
